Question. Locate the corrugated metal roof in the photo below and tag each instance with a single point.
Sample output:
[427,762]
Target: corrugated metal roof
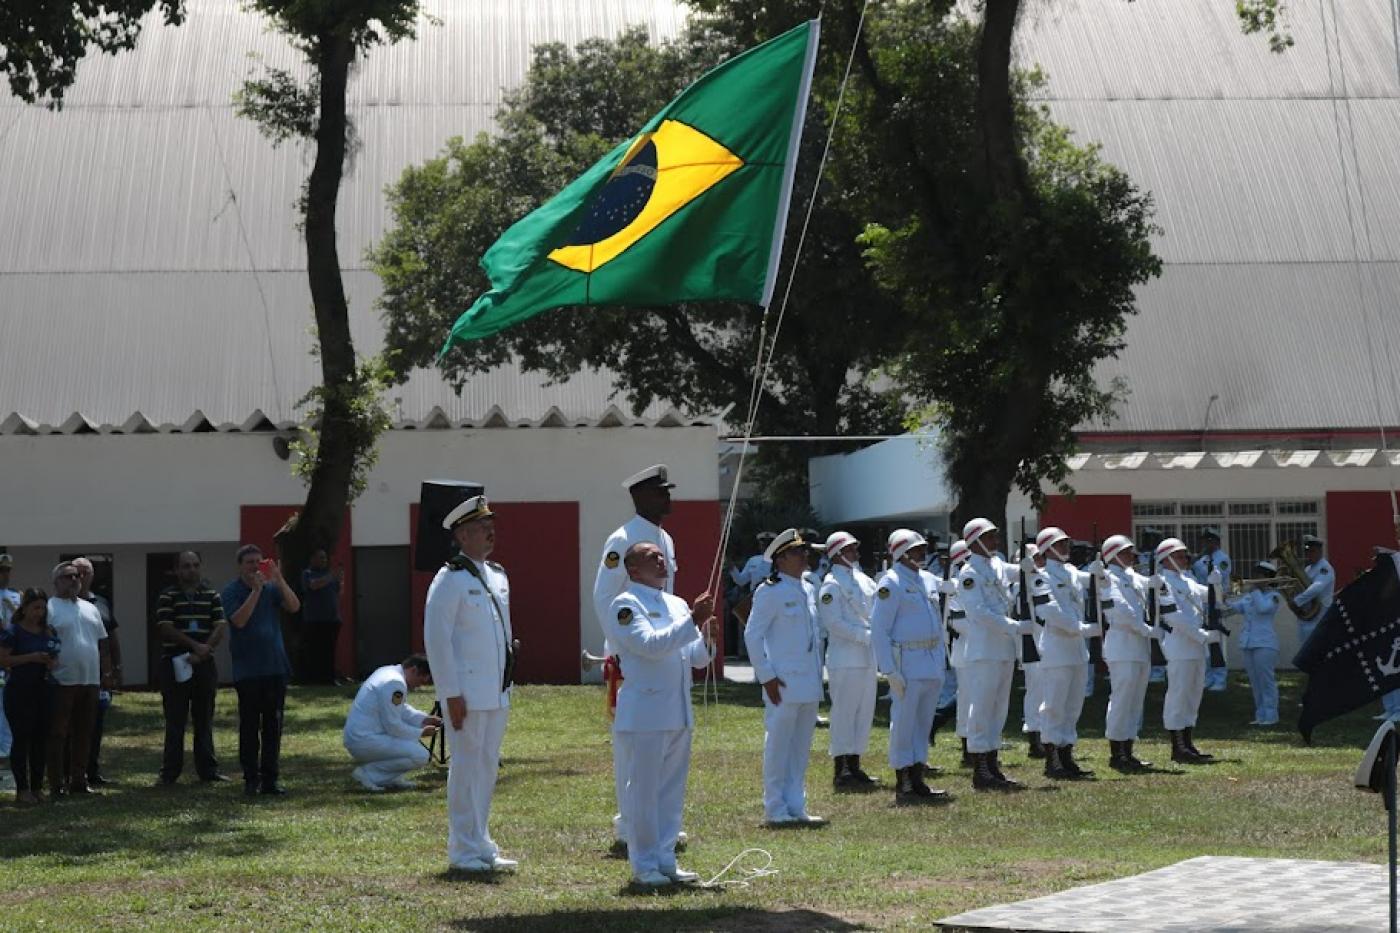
[127,289]
[1265,211]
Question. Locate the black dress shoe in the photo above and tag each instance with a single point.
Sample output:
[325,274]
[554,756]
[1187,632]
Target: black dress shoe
[273,790]
[215,778]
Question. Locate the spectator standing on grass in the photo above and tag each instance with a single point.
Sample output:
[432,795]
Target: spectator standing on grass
[190,619]
[83,667]
[320,616]
[253,603]
[9,602]
[86,573]
[28,650]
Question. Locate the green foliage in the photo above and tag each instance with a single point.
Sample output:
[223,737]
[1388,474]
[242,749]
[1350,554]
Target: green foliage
[313,25]
[1266,16]
[42,41]
[575,105]
[357,407]
[283,108]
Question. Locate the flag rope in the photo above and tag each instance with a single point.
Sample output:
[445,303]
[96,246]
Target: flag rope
[763,363]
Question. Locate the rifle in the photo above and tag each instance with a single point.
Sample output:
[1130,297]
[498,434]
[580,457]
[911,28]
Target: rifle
[1159,659]
[952,633]
[1030,654]
[1091,608]
[1217,653]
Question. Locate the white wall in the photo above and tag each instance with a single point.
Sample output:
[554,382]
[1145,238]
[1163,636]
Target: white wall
[898,478]
[134,494]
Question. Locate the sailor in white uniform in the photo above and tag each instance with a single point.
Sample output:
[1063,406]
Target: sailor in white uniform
[1127,650]
[843,609]
[382,730]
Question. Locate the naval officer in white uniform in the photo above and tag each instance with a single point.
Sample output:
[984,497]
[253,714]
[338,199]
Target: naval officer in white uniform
[383,729]
[784,646]
[466,630]
[660,643]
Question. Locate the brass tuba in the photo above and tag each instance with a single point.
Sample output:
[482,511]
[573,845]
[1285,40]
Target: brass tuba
[1288,561]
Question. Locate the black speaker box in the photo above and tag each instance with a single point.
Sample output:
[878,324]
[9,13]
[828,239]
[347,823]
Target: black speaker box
[432,543]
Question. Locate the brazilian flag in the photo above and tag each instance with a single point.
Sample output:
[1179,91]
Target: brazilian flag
[691,208]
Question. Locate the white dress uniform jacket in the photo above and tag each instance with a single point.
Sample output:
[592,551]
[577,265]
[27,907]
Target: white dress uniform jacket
[1182,605]
[1258,607]
[1320,590]
[783,641]
[984,589]
[905,627]
[843,611]
[611,578]
[1061,640]
[1122,604]
[659,645]
[381,708]
[464,635]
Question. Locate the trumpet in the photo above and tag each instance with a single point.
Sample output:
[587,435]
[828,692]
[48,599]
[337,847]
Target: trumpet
[1282,584]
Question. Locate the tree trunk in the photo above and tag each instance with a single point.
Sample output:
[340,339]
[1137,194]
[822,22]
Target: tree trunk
[996,117]
[328,494]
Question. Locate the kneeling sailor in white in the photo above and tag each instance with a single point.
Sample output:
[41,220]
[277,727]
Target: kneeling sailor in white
[382,730]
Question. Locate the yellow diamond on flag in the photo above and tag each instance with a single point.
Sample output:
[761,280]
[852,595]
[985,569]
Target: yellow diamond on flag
[662,172]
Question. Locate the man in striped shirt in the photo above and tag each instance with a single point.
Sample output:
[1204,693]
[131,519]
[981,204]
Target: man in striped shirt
[190,618]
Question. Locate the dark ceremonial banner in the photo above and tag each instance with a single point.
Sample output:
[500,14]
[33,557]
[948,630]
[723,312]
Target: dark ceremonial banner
[1353,655]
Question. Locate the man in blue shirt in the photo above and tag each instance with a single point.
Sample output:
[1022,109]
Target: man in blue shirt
[320,616]
[260,666]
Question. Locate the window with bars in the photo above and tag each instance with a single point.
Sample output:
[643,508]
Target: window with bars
[1248,530]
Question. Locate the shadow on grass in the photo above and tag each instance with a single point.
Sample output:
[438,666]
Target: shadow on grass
[672,918]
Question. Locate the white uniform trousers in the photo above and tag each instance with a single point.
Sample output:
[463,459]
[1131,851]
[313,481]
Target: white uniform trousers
[949,693]
[1030,706]
[1186,680]
[1127,682]
[386,758]
[1259,663]
[852,709]
[1090,675]
[787,745]
[471,781]
[960,728]
[660,762]
[1061,701]
[911,721]
[621,768]
[988,687]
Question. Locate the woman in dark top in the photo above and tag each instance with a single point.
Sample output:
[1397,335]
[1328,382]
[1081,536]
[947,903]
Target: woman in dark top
[28,648]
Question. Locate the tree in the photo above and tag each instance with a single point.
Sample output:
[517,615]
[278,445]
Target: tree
[1012,252]
[346,418]
[42,41]
[573,107]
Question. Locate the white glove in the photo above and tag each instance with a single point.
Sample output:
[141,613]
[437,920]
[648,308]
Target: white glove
[1213,637]
[897,683]
[1027,626]
[1156,581]
[1214,578]
[948,587]
[1092,629]
[1028,565]
[1096,568]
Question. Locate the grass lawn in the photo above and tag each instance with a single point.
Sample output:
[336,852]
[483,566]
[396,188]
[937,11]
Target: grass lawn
[332,856]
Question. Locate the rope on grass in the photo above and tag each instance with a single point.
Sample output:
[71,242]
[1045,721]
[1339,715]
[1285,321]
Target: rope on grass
[746,875]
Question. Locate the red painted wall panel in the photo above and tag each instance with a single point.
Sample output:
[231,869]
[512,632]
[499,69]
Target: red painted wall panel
[695,527]
[1077,516]
[1355,522]
[534,544]
[257,524]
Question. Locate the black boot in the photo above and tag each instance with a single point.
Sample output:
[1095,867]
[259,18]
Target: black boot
[1053,769]
[967,757]
[1118,757]
[1071,766]
[982,776]
[994,759]
[841,773]
[925,793]
[904,792]
[1037,748]
[1191,744]
[1134,762]
[861,778]
[1180,753]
